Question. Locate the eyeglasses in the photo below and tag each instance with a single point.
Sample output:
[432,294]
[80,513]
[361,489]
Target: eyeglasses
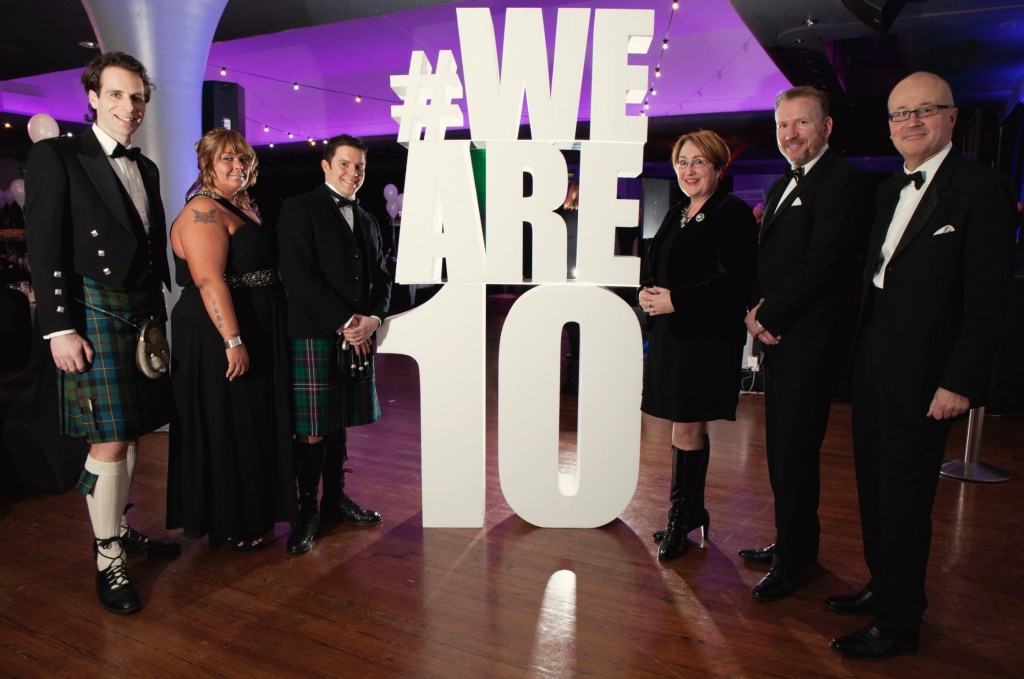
[923,112]
[697,163]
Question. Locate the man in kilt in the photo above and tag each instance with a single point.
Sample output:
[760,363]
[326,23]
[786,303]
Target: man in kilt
[97,241]
[336,276]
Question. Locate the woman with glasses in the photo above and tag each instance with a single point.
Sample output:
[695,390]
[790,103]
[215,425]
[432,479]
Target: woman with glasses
[701,275]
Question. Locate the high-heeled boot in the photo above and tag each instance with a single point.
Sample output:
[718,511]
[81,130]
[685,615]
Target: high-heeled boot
[675,493]
[690,513]
[309,460]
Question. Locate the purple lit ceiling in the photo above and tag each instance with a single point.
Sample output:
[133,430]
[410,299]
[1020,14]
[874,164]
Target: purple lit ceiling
[713,65]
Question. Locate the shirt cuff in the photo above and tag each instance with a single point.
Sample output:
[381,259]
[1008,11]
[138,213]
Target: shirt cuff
[59,333]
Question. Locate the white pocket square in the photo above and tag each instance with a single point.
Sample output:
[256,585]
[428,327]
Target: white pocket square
[948,228]
[797,202]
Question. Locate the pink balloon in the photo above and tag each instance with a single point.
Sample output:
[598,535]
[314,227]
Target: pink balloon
[400,199]
[18,191]
[390,191]
[42,126]
[392,208]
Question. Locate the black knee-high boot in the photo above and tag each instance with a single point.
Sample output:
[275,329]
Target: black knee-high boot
[675,493]
[336,505]
[309,460]
[690,512]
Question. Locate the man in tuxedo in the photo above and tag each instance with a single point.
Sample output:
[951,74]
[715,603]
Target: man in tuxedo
[336,275]
[935,297]
[807,274]
[97,240]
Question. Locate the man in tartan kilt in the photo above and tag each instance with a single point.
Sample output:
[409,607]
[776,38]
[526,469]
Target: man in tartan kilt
[97,243]
[334,270]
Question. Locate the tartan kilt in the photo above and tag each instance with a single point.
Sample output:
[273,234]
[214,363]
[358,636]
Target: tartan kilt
[112,401]
[321,402]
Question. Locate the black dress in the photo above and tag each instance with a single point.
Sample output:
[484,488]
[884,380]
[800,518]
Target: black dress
[230,463]
[692,371]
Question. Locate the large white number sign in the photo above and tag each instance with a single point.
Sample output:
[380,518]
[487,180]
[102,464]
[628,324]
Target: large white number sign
[441,223]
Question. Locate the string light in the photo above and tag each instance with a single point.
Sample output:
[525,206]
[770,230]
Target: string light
[357,97]
[664,44]
[657,72]
[675,5]
[271,144]
[654,92]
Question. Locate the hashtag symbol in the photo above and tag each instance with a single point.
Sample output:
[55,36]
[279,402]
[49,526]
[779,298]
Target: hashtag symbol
[428,98]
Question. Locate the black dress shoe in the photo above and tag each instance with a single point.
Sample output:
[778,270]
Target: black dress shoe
[758,554]
[862,603]
[348,511]
[872,643]
[112,585]
[301,539]
[775,585]
[139,544]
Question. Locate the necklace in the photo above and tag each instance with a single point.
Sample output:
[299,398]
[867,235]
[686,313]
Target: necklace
[208,193]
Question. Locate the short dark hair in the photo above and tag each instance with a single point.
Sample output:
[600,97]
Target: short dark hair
[93,72]
[819,97]
[342,140]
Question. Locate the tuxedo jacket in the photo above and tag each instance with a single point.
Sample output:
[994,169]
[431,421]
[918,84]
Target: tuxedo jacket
[710,268]
[946,286]
[81,223]
[810,255]
[329,270]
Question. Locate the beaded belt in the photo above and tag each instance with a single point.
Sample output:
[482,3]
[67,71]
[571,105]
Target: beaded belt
[253,279]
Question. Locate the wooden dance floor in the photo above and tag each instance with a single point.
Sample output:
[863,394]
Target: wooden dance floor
[510,599]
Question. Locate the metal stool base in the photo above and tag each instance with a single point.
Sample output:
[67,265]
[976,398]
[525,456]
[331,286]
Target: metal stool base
[977,471]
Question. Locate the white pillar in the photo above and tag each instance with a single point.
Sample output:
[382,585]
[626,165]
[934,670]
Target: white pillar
[172,40]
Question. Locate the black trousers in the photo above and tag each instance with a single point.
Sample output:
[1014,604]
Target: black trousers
[797,405]
[898,464]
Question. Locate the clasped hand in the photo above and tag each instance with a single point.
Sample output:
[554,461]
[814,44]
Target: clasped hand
[655,301]
[359,333]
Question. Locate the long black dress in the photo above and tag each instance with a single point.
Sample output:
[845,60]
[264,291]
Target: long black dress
[230,465]
[692,370]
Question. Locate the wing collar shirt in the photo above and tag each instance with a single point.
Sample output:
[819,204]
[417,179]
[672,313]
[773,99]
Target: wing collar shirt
[910,198]
[128,172]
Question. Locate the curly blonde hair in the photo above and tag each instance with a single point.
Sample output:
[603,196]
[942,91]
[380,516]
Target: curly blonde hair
[214,143]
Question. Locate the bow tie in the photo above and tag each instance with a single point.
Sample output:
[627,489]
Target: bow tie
[131,154]
[342,201]
[791,173]
[916,177]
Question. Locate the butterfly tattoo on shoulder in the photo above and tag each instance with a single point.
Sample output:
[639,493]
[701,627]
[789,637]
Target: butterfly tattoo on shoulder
[204,217]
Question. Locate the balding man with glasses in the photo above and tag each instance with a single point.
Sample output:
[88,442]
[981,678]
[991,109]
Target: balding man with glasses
[935,296]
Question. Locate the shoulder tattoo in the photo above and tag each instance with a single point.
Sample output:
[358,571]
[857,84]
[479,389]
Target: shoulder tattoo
[204,217]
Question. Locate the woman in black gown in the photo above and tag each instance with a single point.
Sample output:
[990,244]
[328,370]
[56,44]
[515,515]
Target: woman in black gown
[701,276]
[230,474]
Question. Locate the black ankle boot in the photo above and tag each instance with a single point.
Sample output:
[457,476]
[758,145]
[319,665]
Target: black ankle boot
[112,585]
[336,505]
[309,459]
